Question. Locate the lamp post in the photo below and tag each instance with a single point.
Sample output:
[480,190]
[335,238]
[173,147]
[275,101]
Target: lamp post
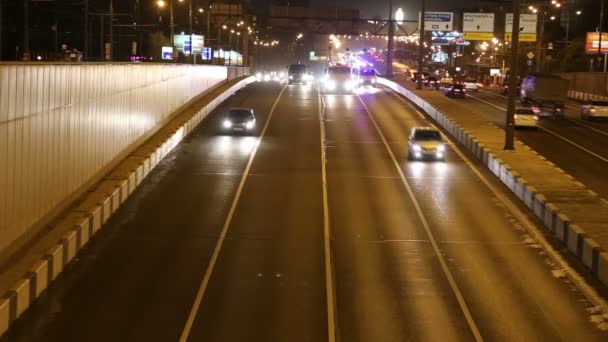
[230,48]
[421,44]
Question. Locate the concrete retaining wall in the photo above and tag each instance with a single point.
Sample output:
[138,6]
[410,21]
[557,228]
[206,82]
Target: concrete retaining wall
[61,125]
[81,222]
[587,85]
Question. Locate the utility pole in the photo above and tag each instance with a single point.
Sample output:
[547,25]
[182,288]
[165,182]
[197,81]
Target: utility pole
[190,24]
[1,23]
[510,126]
[208,32]
[541,34]
[421,44]
[599,46]
[26,30]
[391,35]
[111,30]
[171,22]
[85,50]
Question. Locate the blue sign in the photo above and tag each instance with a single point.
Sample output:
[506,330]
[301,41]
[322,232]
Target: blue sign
[207,53]
[167,52]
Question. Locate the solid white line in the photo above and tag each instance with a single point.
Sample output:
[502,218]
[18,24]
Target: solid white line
[448,274]
[548,131]
[331,325]
[530,227]
[220,242]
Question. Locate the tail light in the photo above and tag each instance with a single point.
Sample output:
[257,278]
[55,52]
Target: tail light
[535,108]
[536,117]
[479,85]
[515,116]
[558,109]
[592,110]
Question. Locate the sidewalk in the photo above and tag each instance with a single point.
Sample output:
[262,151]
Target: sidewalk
[575,214]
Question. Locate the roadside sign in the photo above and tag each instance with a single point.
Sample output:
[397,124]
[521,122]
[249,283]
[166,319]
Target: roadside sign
[167,52]
[530,55]
[593,42]
[527,25]
[438,21]
[478,26]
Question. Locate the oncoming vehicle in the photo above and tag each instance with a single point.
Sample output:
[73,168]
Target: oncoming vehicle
[425,142]
[367,77]
[338,78]
[239,120]
[455,90]
[297,73]
[525,117]
[594,109]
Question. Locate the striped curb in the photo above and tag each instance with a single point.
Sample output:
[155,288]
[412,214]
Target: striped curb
[587,250]
[98,206]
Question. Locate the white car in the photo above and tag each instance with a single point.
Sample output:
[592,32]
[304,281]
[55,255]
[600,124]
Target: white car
[471,85]
[425,142]
[525,117]
[594,109]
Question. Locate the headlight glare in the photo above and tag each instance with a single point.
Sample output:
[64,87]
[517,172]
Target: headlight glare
[227,123]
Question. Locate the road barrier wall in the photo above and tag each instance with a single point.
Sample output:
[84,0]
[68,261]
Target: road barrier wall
[62,125]
[587,85]
[73,230]
[574,214]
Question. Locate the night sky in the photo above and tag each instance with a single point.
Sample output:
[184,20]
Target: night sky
[370,8]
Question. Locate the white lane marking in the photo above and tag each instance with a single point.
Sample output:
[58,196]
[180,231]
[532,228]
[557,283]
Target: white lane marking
[329,283]
[549,131]
[448,274]
[220,242]
[587,291]
[578,122]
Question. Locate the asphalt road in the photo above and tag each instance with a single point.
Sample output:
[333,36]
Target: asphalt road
[420,251]
[577,147]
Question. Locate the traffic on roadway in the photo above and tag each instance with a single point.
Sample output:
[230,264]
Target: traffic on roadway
[314,226]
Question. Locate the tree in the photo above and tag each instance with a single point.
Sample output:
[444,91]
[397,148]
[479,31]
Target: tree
[156,41]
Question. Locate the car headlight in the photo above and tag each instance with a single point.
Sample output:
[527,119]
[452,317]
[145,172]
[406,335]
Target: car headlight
[349,84]
[373,80]
[281,75]
[258,76]
[227,123]
[250,124]
[291,77]
[441,148]
[330,84]
[416,148]
[266,77]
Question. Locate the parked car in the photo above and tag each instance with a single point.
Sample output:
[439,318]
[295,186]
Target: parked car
[455,90]
[425,142]
[525,117]
[239,120]
[594,109]
[471,85]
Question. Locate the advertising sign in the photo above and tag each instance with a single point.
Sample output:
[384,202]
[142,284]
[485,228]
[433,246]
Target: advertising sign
[447,38]
[182,43]
[438,21]
[478,26]
[593,42]
[167,53]
[527,25]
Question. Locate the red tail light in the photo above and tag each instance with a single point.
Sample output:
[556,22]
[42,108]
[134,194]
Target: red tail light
[558,109]
[592,110]
[535,108]
[515,116]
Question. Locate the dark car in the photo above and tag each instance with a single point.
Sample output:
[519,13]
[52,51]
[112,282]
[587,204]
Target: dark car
[297,73]
[548,108]
[415,76]
[455,90]
[239,120]
[431,82]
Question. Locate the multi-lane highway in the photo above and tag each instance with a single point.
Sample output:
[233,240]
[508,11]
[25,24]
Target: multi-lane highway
[315,228]
[576,146]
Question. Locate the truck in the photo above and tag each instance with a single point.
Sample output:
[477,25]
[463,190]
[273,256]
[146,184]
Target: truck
[544,94]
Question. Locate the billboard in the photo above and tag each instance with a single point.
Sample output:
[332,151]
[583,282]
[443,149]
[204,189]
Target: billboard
[438,21]
[593,42]
[478,26]
[527,25]
[447,38]
[182,43]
